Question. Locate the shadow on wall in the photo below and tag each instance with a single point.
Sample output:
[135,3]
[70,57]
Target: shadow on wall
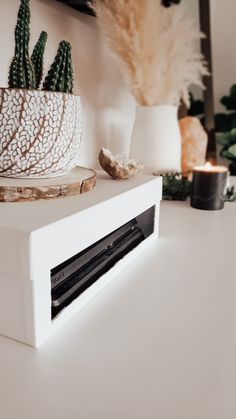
[109,109]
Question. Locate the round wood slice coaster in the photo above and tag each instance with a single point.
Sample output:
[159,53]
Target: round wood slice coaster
[76,182]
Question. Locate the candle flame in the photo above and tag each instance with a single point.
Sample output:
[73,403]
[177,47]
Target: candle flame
[208,166]
[211,168]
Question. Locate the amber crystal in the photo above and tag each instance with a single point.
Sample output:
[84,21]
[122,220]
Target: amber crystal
[194,143]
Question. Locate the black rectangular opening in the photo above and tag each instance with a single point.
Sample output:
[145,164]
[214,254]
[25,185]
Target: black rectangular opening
[75,275]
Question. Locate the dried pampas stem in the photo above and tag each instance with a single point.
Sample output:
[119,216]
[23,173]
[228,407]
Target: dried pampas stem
[180,63]
[156,47]
[131,26]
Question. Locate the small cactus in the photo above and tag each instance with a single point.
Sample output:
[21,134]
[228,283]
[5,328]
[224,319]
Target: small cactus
[37,58]
[60,75]
[26,72]
[21,74]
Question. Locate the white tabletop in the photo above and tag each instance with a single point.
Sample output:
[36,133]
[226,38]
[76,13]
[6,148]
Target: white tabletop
[158,342]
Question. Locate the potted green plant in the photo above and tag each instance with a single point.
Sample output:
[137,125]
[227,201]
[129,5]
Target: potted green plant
[40,130]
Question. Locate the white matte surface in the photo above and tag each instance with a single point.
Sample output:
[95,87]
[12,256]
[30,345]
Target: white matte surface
[37,236]
[159,342]
[31,216]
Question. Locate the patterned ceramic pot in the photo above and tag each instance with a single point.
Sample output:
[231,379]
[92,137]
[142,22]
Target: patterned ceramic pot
[40,133]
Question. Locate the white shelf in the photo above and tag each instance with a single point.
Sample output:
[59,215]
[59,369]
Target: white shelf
[38,236]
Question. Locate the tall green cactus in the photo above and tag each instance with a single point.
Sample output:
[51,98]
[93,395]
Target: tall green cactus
[21,74]
[60,75]
[26,72]
[68,74]
[37,58]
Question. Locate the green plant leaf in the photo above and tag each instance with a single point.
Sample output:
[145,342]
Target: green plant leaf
[232,135]
[227,154]
[175,187]
[227,102]
[232,168]
[230,194]
[233,91]
[223,122]
[223,139]
[232,117]
[232,150]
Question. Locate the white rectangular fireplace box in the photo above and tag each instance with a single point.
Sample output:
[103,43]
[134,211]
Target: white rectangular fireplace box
[36,237]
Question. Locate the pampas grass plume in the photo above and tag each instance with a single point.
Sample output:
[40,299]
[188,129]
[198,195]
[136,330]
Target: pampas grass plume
[156,48]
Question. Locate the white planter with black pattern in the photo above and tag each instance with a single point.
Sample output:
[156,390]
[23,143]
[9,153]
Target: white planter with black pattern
[40,133]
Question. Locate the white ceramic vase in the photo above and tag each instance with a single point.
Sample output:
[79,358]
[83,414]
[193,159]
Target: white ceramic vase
[40,133]
[156,140]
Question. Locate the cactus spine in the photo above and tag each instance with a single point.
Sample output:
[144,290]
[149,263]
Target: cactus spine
[37,58]
[60,75]
[21,74]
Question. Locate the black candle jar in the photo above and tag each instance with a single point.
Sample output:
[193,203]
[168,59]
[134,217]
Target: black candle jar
[208,187]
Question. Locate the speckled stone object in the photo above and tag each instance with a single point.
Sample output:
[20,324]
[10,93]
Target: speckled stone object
[78,181]
[40,133]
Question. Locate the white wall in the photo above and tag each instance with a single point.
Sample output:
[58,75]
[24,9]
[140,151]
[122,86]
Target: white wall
[223,30]
[106,102]
[223,14]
